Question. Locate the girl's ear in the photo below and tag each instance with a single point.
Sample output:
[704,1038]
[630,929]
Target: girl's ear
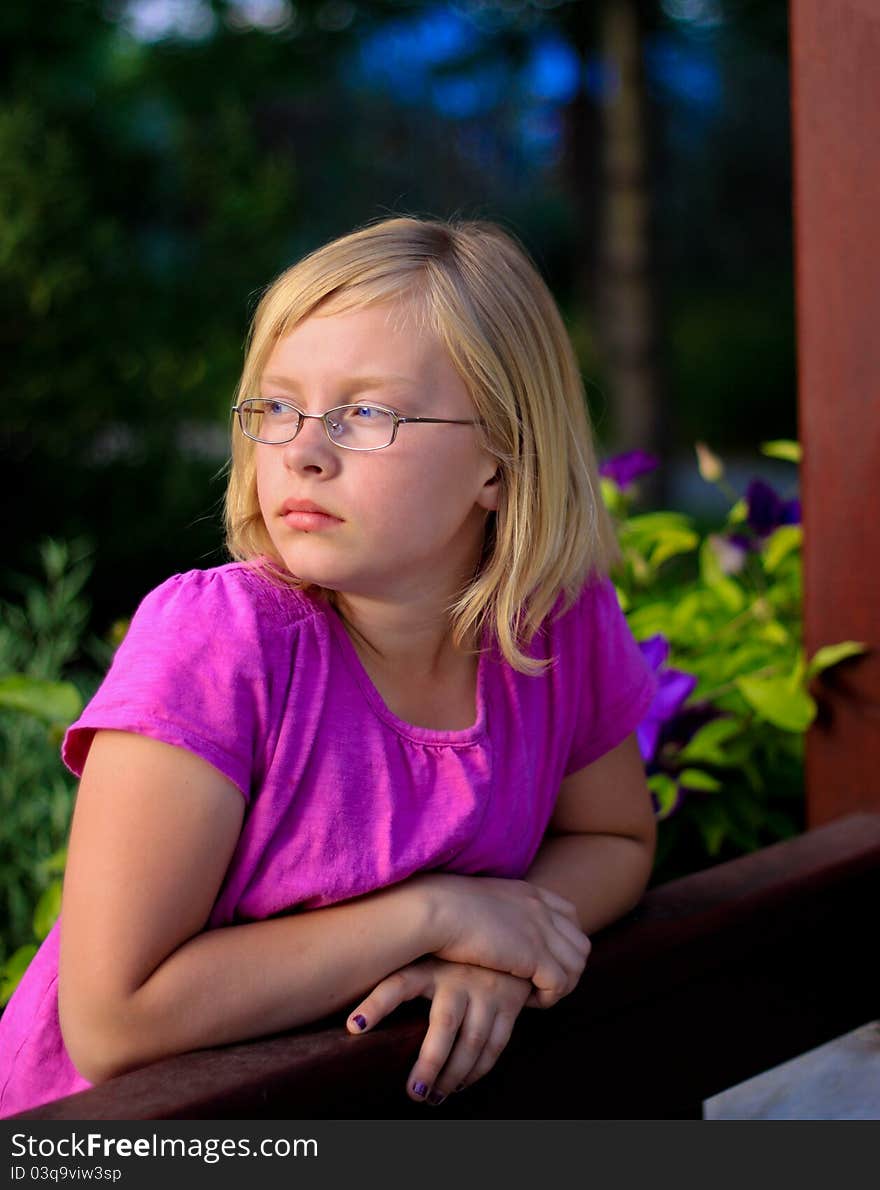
[491,490]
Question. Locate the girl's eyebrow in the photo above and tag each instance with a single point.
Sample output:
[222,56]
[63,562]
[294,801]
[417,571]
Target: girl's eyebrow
[357,381]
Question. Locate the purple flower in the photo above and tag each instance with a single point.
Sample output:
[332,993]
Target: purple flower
[627,468]
[675,687]
[767,511]
[730,551]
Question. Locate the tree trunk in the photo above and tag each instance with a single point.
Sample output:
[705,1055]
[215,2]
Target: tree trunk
[626,301]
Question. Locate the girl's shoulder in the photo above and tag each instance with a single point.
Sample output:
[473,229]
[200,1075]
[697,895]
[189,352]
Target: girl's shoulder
[591,605]
[204,650]
[593,633]
[222,596]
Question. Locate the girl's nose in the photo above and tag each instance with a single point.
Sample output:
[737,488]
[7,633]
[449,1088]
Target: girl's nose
[310,444]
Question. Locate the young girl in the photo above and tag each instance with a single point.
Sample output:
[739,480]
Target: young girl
[388,751]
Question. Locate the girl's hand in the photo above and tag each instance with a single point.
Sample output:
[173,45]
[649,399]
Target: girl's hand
[473,1011]
[510,926]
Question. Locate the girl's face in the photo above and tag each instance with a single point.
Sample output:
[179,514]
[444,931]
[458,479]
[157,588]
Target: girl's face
[412,515]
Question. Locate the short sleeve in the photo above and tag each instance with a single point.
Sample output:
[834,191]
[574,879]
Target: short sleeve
[187,672]
[613,682]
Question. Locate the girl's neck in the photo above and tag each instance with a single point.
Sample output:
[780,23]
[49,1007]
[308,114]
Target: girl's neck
[428,656]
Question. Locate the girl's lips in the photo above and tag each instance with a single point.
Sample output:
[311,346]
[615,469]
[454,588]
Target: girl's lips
[310,520]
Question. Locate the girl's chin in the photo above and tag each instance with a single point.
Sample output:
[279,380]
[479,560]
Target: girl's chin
[320,576]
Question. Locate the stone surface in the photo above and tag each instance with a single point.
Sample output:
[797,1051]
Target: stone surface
[837,1081]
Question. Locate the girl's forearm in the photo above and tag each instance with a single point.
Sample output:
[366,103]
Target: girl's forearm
[604,875]
[240,982]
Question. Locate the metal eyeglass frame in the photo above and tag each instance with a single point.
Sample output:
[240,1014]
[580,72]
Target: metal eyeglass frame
[398,420]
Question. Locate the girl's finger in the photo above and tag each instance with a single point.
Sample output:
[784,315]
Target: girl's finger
[556,901]
[499,1035]
[399,986]
[444,1020]
[533,1001]
[474,1035]
[552,977]
[539,998]
[573,932]
[562,965]
[569,956]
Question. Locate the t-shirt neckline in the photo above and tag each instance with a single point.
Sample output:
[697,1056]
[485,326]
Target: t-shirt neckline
[421,735]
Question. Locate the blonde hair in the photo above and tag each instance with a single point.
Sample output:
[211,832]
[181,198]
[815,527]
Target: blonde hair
[474,285]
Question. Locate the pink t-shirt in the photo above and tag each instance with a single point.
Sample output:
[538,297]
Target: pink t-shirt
[342,797]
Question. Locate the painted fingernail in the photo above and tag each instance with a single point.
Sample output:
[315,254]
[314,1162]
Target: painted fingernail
[360,1021]
[460,1087]
[435,1097]
[420,1089]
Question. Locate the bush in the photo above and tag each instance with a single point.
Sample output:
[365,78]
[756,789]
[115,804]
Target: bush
[720,619]
[41,693]
[718,616]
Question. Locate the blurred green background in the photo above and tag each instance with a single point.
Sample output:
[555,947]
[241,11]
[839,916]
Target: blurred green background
[162,160]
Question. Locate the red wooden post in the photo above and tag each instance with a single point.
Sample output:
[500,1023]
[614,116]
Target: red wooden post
[835,80]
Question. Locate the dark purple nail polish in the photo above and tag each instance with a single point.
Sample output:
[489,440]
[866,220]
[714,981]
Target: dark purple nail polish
[420,1089]
[460,1087]
[360,1021]
[435,1097]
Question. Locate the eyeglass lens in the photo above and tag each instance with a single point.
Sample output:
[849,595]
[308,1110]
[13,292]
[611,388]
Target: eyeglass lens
[358,427]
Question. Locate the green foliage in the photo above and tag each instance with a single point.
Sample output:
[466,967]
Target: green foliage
[149,189]
[53,702]
[731,353]
[143,202]
[727,767]
[43,688]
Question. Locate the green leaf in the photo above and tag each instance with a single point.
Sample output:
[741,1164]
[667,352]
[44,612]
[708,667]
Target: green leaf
[705,744]
[830,655]
[746,657]
[774,633]
[712,824]
[648,540]
[14,969]
[18,962]
[777,702]
[55,864]
[53,702]
[729,593]
[652,524]
[611,495]
[738,513]
[57,732]
[678,541]
[47,910]
[697,779]
[666,792]
[782,448]
[649,619]
[781,543]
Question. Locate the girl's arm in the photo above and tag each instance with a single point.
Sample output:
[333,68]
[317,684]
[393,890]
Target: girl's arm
[599,849]
[153,832]
[598,854]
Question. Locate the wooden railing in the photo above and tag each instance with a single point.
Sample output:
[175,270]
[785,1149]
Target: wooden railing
[713,979]
[835,123]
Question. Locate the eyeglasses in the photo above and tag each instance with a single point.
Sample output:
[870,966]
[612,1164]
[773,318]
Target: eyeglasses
[352,427]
